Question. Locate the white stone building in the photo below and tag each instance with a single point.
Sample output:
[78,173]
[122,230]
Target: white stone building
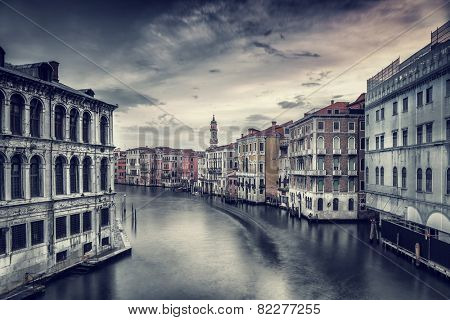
[56,192]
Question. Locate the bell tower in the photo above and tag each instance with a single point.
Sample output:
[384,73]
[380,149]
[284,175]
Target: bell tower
[213,141]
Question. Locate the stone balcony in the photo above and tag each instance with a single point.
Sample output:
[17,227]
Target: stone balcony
[352,172]
[317,172]
[322,151]
[337,151]
[352,152]
[337,173]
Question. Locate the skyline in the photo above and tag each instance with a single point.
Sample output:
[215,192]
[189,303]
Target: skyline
[265,60]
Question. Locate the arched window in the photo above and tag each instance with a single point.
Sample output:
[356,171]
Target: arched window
[73,132]
[2,177]
[60,119]
[86,175]
[351,204]
[419,179]
[59,175]
[382,176]
[429,180]
[16,177]
[367,175]
[103,130]
[86,127]
[74,175]
[377,175]
[395,177]
[320,143]
[35,118]
[351,143]
[320,204]
[448,181]
[16,114]
[335,204]
[35,177]
[103,174]
[404,178]
[336,143]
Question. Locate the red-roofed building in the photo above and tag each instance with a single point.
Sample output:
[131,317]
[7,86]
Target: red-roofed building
[326,154]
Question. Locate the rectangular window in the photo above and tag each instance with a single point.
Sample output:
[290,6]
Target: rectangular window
[367,144]
[104,219]
[405,105]
[336,163]
[362,186]
[351,184]
[320,184]
[362,125]
[351,126]
[3,240]
[429,95]
[105,241]
[336,126]
[74,224]
[261,146]
[405,137]
[352,163]
[367,119]
[394,108]
[320,126]
[394,139]
[87,221]
[261,168]
[419,99]
[377,143]
[37,232]
[377,115]
[61,256]
[18,237]
[336,184]
[429,134]
[447,88]
[419,134]
[362,144]
[382,141]
[61,227]
[448,129]
[382,113]
[87,247]
[320,163]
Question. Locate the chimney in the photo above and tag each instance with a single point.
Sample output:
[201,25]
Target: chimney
[55,66]
[274,124]
[332,101]
[2,57]
[242,135]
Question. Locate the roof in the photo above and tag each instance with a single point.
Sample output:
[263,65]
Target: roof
[279,131]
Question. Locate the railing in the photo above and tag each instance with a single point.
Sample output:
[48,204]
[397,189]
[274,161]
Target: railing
[337,172]
[337,151]
[352,151]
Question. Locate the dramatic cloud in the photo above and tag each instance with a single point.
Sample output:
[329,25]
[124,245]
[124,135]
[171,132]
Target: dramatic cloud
[125,98]
[298,102]
[257,118]
[287,55]
[310,84]
[214,71]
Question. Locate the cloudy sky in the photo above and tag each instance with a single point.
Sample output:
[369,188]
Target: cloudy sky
[170,65]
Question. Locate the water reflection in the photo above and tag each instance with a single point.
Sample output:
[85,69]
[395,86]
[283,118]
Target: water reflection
[187,247]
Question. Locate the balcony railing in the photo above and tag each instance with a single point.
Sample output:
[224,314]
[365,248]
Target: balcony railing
[337,151]
[352,151]
[337,172]
[321,151]
[352,172]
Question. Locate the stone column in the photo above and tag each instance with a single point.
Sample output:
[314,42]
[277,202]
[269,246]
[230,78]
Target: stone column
[7,181]
[67,127]
[26,121]
[66,179]
[7,118]
[95,128]
[80,128]
[26,181]
[111,176]
[80,178]
[92,185]
[51,132]
[42,125]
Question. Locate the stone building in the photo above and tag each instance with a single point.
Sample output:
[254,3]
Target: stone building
[120,166]
[327,156]
[56,192]
[258,163]
[284,168]
[408,137]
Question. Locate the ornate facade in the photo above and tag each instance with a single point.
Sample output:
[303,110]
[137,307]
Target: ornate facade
[56,192]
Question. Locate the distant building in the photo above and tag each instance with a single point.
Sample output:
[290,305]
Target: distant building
[258,163]
[326,154]
[284,168]
[56,174]
[408,138]
[120,166]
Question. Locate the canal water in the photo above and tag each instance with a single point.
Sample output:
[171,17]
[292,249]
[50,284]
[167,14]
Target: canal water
[190,247]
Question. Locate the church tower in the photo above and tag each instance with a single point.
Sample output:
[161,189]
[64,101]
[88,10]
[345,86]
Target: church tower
[213,129]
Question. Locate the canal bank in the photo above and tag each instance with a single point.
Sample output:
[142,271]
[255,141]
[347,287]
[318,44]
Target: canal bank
[184,247]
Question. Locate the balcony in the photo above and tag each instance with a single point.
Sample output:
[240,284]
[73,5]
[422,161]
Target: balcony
[309,151]
[337,172]
[298,172]
[337,151]
[317,172]
[352,172]
[322,151]
[352,151]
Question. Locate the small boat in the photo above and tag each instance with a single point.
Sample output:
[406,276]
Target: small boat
[283,206]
